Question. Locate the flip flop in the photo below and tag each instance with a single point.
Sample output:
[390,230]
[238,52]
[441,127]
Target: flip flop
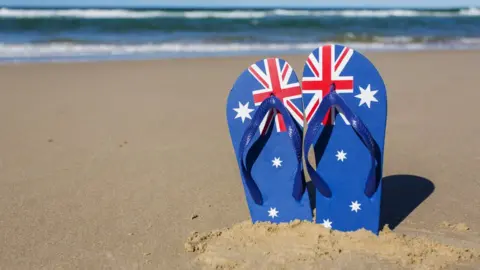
[265,120]
[346,113]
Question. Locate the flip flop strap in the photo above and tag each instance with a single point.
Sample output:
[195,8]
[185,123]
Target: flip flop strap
[271,103]
[335,100]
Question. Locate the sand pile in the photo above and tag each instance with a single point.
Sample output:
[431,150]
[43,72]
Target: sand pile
[305,245]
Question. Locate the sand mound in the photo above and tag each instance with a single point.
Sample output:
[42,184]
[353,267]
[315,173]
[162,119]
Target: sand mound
[305,245]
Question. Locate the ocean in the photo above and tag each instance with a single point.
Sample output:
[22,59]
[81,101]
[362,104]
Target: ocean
[56,34]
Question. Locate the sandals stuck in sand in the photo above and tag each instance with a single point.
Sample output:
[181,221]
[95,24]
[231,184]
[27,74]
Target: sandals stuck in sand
[345,113]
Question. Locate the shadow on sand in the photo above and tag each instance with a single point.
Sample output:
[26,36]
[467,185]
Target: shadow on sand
[401,194]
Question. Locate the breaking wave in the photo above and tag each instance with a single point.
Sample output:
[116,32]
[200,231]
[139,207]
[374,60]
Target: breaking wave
[18,51]
[229,14]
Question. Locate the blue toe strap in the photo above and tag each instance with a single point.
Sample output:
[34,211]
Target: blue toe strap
[335,100]
[299,182]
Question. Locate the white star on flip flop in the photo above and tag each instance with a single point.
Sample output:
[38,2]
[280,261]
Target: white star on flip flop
[366,96]
[355,206]
[273,213]
[243,111]
[341,155]
[327,223]
[277,162]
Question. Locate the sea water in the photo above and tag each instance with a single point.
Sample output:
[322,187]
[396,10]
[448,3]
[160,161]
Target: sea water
[56,34]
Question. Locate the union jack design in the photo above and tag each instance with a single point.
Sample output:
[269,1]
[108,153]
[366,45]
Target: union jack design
[276,78]
[324,68]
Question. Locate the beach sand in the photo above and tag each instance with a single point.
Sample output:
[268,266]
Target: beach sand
[113,165]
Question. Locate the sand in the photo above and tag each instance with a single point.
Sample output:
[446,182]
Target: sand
[114,165]
[305,245]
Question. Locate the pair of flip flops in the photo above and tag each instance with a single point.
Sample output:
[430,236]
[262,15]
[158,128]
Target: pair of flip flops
[342,104]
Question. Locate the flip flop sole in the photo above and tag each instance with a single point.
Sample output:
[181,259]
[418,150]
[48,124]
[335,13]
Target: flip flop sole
[342,159]
[271,160]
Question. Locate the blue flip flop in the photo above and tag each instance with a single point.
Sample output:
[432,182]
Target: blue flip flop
[346,114]
[265,120]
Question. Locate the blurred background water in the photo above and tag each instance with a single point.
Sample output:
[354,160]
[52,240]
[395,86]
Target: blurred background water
[28,34]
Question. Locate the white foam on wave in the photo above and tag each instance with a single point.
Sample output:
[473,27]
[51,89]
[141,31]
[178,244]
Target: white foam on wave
[394,39]
[62,49]
[126,14]
[473,11]
[234,14]
[18,51]
[391,13]
[79,13]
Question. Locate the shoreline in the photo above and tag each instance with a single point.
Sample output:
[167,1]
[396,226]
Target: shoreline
[200,56]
